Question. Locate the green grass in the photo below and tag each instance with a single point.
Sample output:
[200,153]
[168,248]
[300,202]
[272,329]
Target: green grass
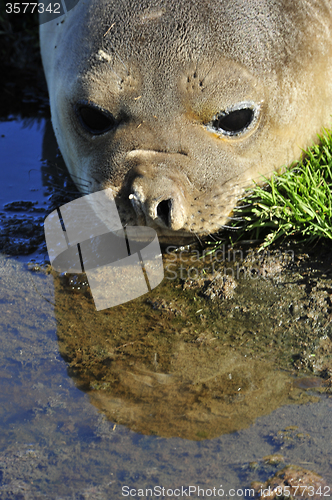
[296,203]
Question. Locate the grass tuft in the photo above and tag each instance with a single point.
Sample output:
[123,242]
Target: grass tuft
[295,203]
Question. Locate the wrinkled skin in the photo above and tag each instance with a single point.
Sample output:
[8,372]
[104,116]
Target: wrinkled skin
[163,72]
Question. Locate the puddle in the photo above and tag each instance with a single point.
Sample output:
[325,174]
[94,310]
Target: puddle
[32,178]
[192,385]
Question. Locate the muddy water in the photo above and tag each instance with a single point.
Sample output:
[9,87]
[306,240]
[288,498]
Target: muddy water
[197,383]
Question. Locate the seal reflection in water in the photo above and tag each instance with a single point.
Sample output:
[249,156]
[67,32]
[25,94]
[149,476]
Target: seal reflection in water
[178,105]
[166,374]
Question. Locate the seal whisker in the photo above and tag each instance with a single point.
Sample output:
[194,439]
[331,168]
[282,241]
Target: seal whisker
[230,228]
[212,236]
[197,237]
[77,179]
[243,206]
[234,218]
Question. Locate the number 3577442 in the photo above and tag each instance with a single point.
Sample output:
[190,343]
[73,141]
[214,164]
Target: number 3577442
[30,7]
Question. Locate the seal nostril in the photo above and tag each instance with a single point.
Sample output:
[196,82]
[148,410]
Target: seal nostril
[164,211]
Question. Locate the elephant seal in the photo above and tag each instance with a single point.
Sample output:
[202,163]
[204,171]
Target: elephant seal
[176,106]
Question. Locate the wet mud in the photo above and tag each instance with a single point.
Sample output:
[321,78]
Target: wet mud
[197,358]
[56,444]
[293,481]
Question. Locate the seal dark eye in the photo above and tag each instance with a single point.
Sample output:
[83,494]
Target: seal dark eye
[234,121]
[95,120]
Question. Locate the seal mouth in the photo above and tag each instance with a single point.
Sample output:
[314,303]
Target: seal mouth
[162,197]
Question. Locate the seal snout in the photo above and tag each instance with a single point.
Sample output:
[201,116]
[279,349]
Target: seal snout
[158,192]
[160,201]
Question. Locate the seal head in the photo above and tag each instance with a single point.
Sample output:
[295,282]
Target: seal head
[178,106]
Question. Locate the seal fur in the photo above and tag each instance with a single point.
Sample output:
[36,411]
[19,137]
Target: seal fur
[163,77]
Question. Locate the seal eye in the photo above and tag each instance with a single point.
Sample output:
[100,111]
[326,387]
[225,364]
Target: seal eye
[95,120]
[236,120]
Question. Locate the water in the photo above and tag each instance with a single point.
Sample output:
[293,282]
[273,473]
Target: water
[21,152]
[32,176]
[174,391]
